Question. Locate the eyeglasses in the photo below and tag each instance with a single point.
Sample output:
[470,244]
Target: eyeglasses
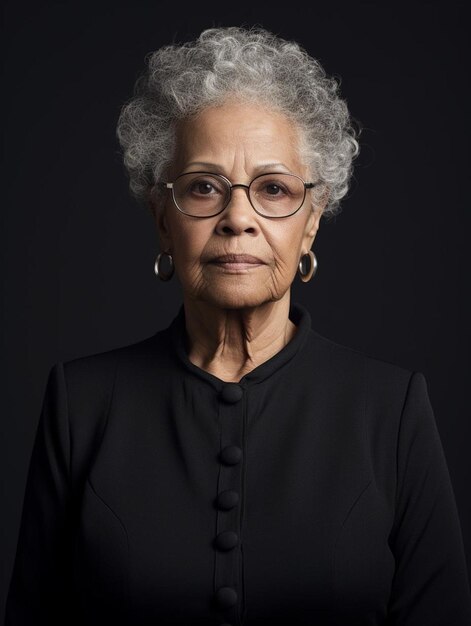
[204,194]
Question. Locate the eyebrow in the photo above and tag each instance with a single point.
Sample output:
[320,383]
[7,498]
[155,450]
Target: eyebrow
[220,169]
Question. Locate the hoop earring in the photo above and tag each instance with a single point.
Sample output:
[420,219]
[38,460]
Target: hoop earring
[158,270]
[311,261]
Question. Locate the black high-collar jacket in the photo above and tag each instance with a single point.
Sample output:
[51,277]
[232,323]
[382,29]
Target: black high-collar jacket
[315,491]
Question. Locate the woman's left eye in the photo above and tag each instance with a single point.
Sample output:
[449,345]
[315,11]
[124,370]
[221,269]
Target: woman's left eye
[273,189]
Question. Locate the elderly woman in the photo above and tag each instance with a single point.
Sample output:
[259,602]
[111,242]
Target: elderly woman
[238,468]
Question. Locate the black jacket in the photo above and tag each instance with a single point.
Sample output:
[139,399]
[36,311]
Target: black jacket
[315,491]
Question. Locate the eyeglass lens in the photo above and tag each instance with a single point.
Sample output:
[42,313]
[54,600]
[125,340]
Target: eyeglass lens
[272,195]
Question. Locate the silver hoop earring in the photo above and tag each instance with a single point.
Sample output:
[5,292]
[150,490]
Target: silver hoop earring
[306,273]
[161,273]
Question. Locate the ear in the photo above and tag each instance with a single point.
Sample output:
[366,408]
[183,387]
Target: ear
[311,228]
[315,215]
[162,227]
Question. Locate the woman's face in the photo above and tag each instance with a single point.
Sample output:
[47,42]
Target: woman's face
[238,141]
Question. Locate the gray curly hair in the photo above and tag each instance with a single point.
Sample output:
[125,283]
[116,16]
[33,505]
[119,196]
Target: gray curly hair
[251,64]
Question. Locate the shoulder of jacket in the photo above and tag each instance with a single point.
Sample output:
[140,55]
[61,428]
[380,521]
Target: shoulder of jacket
[90,379]
[101,363]
[377,369]
[89,384]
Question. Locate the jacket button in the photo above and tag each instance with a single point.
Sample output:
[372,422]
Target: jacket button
[231,455]
[226,597]
[227,540]
[227,499]
[231,392]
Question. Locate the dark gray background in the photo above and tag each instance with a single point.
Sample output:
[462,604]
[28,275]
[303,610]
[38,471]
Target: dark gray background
[78,252]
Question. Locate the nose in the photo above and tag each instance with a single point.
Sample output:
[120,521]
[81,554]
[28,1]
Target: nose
[239,215]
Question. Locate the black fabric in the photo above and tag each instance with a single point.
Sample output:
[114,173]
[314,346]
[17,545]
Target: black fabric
[315,491]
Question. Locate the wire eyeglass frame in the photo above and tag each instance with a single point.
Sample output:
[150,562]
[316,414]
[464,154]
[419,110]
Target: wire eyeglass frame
[231,186]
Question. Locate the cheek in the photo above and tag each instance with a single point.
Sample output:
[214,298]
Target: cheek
[285,246]
[189,244]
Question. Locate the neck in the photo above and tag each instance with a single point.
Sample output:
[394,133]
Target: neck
[229,343]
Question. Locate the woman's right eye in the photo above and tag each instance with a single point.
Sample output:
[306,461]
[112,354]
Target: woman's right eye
[202,187]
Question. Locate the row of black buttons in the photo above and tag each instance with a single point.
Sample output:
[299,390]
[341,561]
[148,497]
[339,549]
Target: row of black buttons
[226,597]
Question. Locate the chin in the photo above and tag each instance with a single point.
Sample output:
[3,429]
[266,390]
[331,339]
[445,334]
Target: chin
[237,298]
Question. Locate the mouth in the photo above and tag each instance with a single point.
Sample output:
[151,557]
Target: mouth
[237,262]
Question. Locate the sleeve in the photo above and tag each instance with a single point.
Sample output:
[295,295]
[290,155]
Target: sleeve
[40,586]
[430,586]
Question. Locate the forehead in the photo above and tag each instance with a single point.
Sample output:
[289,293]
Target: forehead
[251,134]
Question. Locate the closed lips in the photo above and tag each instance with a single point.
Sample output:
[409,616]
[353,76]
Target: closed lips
[236,258]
